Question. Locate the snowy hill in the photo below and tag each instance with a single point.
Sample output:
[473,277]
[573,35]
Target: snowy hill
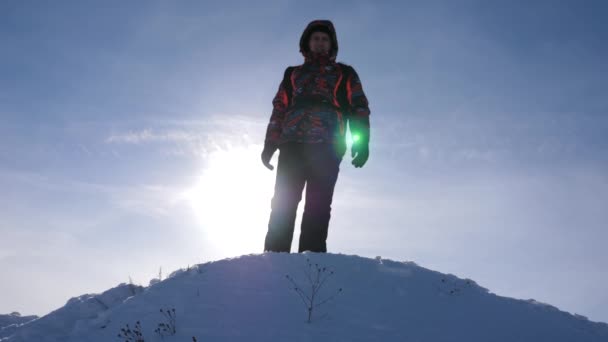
[14,318]
[252,298]
[9,323]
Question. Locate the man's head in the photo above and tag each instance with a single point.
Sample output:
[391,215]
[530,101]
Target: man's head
[319,42]
[319,36]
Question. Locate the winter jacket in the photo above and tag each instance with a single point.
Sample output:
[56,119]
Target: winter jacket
[316,99]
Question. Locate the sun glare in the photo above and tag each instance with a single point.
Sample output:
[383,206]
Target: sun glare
[232,200]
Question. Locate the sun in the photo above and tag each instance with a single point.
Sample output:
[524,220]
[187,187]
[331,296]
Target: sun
[232,198]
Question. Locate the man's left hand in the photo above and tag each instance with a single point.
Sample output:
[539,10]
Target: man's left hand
[360,154]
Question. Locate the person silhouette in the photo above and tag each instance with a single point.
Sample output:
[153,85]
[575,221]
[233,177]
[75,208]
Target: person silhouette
[314,103]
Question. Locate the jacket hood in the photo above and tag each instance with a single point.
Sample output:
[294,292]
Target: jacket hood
[326,26]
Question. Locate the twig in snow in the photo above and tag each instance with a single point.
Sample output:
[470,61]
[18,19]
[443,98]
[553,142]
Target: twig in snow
[316,275]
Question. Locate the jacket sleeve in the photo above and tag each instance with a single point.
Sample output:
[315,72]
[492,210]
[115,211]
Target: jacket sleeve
[359,107]
[280,104]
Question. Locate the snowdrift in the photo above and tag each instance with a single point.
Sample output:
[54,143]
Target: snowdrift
[266,297]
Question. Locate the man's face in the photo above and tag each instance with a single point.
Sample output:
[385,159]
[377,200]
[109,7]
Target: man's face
[319,42]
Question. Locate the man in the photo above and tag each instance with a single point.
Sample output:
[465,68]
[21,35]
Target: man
[314,102]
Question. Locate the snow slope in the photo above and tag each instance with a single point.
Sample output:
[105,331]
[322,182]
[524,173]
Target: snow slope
[9,323]
[250,298]
[14,318]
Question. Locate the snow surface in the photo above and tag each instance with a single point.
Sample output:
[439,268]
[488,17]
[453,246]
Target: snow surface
[14,318]
[9,323]
[249,298]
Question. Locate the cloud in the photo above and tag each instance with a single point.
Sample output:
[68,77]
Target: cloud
[153,200]
[195,138]
[470,154]
[148,135]
[181,143]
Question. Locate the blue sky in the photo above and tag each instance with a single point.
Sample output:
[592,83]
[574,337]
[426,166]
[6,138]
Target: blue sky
[130,135]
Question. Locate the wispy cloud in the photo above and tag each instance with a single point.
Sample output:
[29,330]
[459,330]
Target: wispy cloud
[152,200]
[194,138]
[148,135]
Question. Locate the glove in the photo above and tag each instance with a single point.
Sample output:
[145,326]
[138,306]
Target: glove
[269,149]
[359,127]
[362,153]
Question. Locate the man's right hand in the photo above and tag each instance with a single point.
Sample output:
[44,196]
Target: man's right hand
[267,153]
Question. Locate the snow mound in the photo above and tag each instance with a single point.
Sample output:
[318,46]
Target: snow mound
[85,309]
[265,297]
[9,323]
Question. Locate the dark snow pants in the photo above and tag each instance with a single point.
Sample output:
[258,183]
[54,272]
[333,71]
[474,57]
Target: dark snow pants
[317,166]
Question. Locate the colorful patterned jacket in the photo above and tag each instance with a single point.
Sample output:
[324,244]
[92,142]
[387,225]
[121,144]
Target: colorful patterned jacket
[315,100]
